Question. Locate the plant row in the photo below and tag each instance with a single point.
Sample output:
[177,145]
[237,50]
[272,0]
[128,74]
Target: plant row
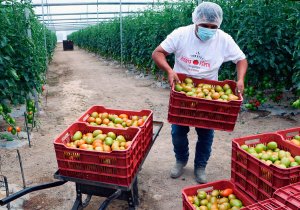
[26,46]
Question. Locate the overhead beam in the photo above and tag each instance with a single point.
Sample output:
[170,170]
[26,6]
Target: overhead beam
[71,25]
[87,13]
[89,22]
[68,26]
[83,18]
[66,29]
[96,3]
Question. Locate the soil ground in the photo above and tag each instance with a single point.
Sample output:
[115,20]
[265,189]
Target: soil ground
[77,80]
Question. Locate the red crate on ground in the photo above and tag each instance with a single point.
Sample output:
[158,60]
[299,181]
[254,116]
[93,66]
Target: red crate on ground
[255,177]
[288,134]
[115,167]
[289,195]
[209,187]
[269,204]
[146,128]
[202,113]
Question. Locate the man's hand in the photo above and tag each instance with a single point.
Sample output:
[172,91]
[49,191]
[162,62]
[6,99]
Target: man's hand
[172,76]
[242,66]
[159,56]
[240,86]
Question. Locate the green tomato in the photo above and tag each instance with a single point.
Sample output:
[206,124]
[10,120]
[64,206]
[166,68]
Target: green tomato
[11,121]
[14,131]
[30,103]
[249,106]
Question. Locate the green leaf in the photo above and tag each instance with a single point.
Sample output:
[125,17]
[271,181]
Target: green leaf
[14,74]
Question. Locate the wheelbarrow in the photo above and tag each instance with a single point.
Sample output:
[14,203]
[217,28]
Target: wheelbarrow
[94,188]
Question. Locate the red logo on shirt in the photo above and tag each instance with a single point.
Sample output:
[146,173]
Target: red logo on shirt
[195,62]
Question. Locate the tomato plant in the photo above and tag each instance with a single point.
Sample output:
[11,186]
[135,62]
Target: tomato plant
[23,58]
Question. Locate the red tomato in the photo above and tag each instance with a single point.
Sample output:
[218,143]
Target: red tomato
[18,129]
[226,192]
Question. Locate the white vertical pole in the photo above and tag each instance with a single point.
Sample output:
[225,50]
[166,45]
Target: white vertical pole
[121,33]
[44,30]
[29,34]
[87,14]
[97,13]
[27,19]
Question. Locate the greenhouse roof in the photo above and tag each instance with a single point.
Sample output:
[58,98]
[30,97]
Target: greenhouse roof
[77,14]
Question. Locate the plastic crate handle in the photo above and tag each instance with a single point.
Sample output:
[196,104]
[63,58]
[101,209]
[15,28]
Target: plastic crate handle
[252,141]
[65,137]
[86,117]
[207,189]
[292,133]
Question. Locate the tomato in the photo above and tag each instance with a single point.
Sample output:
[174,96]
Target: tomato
[134,118]
[9,129]
[129,123]
[140,122]
[226,192]
[80,142]
[18,129]
[191,199]
[83,146]
[91,119]
[29,109]
[43,88]
[11,120]
[13,131]
[123,116]
[105,121]
[30,104]
[97,144]
[124,119]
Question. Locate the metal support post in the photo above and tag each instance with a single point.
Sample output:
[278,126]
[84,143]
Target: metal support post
[121,33]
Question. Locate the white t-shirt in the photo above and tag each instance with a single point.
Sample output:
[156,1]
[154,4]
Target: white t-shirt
[200,59]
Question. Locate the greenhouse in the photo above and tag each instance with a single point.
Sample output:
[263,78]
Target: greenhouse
[150,104]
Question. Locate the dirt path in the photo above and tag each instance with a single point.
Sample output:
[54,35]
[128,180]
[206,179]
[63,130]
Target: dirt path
[78,80]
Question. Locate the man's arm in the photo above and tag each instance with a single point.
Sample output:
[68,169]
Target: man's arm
[159,56]
[241,67]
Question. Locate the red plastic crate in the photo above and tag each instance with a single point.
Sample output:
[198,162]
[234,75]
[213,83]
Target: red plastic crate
[269,204]
[115,167]
[288,134]
[289,195]
[146,128]
[202,113]
[255,177]
[209,187]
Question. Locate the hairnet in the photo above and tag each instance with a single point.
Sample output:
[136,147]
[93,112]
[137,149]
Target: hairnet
[208,12]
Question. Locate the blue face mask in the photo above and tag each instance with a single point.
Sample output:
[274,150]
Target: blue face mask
[205,33]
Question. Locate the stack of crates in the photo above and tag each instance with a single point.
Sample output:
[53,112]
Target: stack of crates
[68,45]
[248,173]
[117,167]
[256,178]
[259,186]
